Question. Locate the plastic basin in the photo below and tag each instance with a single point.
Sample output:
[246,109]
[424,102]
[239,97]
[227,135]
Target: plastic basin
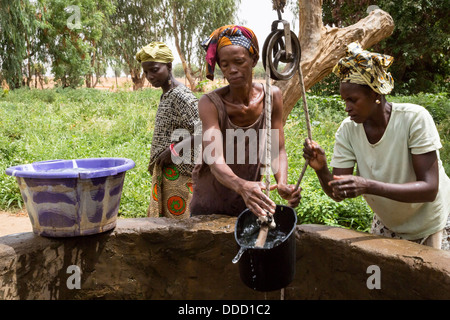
[67,198]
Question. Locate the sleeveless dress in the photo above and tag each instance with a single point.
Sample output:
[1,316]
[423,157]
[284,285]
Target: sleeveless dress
[209,195]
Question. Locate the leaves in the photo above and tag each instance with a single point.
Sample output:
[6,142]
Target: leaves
[420,43]
[82,38]
[189,22]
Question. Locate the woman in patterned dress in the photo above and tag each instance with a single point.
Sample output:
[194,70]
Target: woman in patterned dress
[177,110]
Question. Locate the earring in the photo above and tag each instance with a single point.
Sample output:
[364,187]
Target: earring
[377,101]
[169,82]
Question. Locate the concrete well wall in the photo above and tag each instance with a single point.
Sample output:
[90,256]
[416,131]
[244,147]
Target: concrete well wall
[158,258]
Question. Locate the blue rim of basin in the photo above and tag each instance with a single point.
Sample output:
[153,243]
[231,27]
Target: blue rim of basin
[82,168]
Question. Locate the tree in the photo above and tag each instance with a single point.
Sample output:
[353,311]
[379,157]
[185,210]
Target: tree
[189,22]
[13,25]
[99,37]
[72,31]
[22,50]
[322,46]
[38,70]
[134,24]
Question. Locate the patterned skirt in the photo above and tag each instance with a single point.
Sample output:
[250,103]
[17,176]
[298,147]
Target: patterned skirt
[380,229]
[171,193]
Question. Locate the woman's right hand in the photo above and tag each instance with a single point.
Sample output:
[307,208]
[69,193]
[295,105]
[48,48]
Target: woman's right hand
[255,199]
[314,154]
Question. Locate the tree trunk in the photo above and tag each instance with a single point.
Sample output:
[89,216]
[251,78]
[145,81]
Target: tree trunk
[88,80]
[186,68]
[323,46]
[138,80]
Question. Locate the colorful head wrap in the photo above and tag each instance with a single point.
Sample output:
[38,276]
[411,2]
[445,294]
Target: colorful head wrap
[225,36]
[156,52]
[366,68]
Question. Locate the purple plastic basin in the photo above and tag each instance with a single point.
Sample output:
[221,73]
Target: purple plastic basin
[67,198]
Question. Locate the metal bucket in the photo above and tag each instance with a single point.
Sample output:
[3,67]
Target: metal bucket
[273,266]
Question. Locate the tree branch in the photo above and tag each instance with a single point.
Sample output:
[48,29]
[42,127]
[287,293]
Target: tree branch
[323,46]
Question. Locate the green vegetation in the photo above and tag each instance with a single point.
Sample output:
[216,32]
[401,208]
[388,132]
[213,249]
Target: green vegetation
[38,125]
[326,114]
[81,39]
[76,41]
[41,125]
[419,44]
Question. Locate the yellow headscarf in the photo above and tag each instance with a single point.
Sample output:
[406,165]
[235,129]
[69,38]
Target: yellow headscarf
[366,68]
[156,52]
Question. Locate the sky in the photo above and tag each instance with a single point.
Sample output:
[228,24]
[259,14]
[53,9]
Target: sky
[257,15]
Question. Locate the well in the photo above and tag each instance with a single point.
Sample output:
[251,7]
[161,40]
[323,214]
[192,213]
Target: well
[158,258]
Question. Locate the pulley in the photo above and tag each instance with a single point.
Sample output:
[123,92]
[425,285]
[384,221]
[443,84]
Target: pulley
[282,49]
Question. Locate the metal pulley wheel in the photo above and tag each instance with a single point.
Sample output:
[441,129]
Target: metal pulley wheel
[283,49]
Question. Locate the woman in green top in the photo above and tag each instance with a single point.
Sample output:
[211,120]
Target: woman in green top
[396,149]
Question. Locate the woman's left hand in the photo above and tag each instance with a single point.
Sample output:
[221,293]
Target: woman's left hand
[164,159]
[289,193]
[348,186]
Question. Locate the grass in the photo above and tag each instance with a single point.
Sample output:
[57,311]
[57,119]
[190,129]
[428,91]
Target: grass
[41,125]
[38,125]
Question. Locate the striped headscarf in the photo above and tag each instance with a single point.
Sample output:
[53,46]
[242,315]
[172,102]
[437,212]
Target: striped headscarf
[155,52]
[366,68]
[225,36]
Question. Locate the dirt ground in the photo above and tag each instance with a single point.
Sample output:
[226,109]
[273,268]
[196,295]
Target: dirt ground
[11,223]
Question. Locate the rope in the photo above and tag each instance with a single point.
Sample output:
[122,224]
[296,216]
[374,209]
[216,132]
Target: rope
[268,114]
[308,124]
[268,221]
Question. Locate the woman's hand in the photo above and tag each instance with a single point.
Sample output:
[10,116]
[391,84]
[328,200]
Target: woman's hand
[348,186]
[255,199]
[165,158]
[288,192]
[314,154]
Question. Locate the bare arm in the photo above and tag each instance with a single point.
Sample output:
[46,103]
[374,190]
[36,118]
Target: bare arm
[342,184]
[424,189]
[166,157]
[251,191]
